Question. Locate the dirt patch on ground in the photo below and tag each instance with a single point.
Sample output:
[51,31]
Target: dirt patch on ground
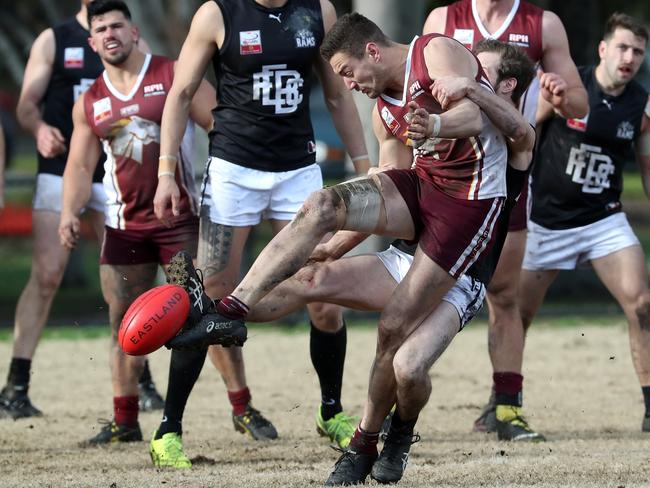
[580,391]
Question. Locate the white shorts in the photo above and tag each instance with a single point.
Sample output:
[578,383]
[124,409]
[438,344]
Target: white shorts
[48,194]
[466,296]
[239,196]
[567,248]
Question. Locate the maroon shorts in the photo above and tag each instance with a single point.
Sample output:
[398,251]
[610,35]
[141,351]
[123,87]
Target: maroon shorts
[519,213]
[158,245]
[454,233]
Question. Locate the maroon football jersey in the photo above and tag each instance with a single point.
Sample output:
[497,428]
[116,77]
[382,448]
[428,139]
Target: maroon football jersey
[471,168]
[129,128]
[522,27]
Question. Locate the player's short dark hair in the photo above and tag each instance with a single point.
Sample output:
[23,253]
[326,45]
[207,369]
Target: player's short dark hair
[100,7]
[350,34]
[515,63]
[620,20]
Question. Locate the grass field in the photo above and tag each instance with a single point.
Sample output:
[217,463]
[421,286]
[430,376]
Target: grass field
[580,391]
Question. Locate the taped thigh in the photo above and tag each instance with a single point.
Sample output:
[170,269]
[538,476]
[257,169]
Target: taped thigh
[363,202]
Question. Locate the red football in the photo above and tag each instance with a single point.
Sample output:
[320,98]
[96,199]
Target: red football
[153,319]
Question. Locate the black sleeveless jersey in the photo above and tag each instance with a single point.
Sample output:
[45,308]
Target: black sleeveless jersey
[263,72]
[75,68]
[578,170]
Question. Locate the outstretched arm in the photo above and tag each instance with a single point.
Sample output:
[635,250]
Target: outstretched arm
[205,35]
[78,175]
[340,103]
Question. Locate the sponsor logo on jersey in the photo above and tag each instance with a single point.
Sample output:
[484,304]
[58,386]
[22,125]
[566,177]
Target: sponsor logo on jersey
[73,57]
[311,147]
[578,124]
[129,110]
[465,36]
[415,90]
[153,90]
[390,121]
[625,131]
[278,87]
[518,39]
[250,42]
[276,17]
[305,38]
[589,167]
[102,110]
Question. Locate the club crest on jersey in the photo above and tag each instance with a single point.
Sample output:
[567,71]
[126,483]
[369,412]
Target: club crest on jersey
[415,90]
[305,38]
[578,124]
[153,90]
[250,42]
[391,122]
[465,37]
[625,130]
[518,39]
[102,110]
[73,57]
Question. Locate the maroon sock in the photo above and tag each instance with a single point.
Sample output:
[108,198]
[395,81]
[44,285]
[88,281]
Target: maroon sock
[508,388]
[125,410]
[239,400]
[364,442]
[232,308]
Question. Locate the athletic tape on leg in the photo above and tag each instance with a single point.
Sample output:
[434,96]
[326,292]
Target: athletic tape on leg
[363,202]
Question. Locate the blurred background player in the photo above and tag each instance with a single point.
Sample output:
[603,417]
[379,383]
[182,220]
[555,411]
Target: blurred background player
[541,35]
[61,67]
[122,110]
[261,166]
[577,181]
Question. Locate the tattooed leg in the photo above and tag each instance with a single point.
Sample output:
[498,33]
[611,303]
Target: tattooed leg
[219,256]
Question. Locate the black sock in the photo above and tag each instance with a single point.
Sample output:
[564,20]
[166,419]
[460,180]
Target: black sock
[646,399]
[19,373]
[145,377]
[184,370]
[401,426]
[327,352]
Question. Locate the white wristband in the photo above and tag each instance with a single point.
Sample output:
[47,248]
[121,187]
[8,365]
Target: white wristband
[359,158]
[166,173]
[436,125]
[168,157]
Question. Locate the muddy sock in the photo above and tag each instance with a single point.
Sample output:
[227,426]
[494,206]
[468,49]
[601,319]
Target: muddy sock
[364,442]
[232,308]
[327,350]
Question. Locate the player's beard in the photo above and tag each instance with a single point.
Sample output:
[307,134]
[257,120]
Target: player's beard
[119,58]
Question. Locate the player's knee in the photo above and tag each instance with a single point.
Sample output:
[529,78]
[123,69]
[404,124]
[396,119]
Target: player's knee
[408,373]
[389,337]
[320,210]
[48,279]
[642,311]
